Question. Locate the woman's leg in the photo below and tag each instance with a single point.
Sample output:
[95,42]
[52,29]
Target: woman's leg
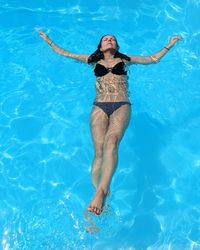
[99,127]
[118,123]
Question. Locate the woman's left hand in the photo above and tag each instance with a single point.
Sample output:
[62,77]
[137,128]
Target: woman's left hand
[174,39]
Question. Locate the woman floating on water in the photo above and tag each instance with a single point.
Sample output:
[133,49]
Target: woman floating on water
[111,109]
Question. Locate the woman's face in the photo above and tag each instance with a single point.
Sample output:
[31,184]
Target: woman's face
[108,43]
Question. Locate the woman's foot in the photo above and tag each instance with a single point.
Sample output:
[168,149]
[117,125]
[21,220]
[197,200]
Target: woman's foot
[97,203]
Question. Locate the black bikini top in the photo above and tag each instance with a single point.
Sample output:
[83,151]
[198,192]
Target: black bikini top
[118,69]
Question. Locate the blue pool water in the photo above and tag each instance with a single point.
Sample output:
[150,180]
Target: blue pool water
[45,145]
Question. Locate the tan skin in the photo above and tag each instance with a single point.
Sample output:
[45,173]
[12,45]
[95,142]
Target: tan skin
[107,132]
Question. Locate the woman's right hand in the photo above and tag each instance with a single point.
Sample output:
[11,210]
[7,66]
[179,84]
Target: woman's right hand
[174,39]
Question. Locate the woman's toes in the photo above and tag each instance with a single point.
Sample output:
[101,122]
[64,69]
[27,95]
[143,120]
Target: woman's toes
[95,210]
[98,211]
[90,209]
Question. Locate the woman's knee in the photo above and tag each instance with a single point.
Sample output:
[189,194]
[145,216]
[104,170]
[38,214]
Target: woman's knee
[99,153]
[111,143]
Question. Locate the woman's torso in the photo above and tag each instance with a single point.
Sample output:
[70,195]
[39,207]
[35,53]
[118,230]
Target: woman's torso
[111,81]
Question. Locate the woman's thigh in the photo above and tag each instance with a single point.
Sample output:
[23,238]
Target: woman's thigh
[118,123]
[99,125]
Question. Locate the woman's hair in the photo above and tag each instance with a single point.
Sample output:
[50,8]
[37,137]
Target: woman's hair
[98,54]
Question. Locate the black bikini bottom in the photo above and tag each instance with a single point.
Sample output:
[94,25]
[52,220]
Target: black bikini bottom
[110,107]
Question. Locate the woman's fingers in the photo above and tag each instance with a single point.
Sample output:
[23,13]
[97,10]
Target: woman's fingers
[43,35]
[178,38]
[174,39]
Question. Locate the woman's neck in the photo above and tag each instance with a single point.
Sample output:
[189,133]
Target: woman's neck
[109,55]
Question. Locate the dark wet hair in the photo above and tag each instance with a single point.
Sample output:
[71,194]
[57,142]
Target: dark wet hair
[98,54]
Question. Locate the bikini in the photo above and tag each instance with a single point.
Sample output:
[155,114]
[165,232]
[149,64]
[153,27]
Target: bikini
[118,69]
[99,71]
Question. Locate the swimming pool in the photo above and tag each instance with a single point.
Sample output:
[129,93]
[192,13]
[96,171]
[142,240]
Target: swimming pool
[45,144]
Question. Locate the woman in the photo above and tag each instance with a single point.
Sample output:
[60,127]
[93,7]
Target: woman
[111,110]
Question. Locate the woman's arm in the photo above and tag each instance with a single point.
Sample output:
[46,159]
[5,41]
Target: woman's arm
[61,51]
[154,58]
